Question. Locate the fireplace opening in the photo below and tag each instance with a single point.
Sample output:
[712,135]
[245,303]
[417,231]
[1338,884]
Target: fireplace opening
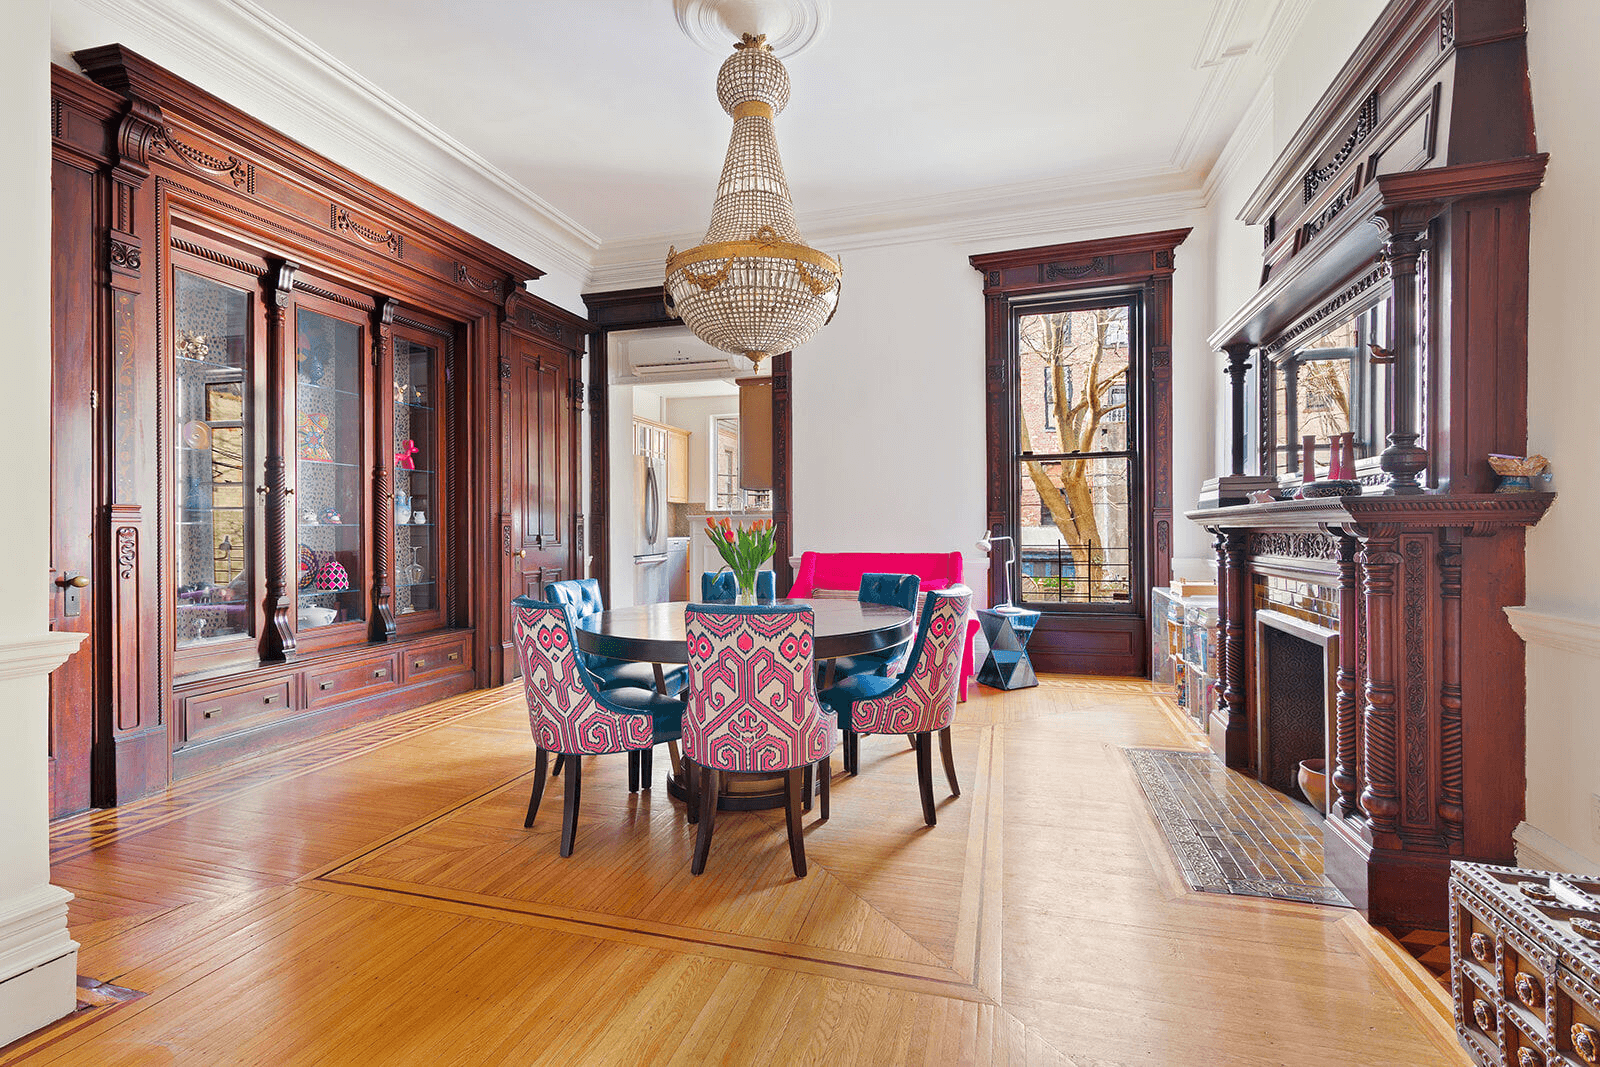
[1295,665]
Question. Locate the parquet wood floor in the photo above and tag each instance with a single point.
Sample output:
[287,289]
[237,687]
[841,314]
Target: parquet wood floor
[373,899]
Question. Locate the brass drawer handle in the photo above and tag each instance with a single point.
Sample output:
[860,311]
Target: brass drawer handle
[1586,1042]
[268,700]
[325,686]
[381,673]
[1484,1014]
[210,713]
[1528,990]
[453,656]
[1482,949]
[419,664]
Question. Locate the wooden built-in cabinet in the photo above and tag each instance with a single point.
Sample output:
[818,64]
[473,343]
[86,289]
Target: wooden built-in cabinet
[670,445]
[309,440]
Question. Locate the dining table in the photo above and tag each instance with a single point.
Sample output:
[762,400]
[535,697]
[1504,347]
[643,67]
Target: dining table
[656,634]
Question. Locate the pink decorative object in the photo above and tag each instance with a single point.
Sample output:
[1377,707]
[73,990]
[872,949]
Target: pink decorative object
[332,578]
[843,570]
[402,458]
[1308,460]
[926,699]
[1347,455]
[315,435]
[563,712]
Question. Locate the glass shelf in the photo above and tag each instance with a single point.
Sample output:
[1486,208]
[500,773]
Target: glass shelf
[307,383]
[328,462]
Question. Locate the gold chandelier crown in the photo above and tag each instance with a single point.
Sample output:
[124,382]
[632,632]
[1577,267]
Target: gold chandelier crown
[752,286]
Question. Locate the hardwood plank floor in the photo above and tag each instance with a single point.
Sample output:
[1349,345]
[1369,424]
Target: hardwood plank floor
[373,898]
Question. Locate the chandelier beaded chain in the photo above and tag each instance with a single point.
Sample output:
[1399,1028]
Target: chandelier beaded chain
[752,286]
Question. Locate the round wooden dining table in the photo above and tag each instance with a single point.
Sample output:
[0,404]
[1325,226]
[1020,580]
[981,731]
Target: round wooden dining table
[655,633]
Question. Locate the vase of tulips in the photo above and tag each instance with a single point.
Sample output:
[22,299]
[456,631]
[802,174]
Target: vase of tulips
[744,548]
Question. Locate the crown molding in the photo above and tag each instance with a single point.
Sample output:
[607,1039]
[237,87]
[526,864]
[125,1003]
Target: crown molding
[247,57]
[1556,631]
[32,657]
[1013,213]
[1257,119]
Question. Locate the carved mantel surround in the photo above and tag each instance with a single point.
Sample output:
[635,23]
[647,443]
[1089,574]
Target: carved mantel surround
[1407,188]
[1429,692]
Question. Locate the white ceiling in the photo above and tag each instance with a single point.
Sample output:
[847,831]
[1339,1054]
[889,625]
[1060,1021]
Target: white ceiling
[607,112]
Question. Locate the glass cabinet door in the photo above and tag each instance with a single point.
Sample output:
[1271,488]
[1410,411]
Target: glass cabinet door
[330,486]
[214,543]
[418,500]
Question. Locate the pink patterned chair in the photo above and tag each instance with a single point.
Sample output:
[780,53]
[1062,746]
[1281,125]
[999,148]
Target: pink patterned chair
[920,702]
[841,572]
[753,710]
[571,716]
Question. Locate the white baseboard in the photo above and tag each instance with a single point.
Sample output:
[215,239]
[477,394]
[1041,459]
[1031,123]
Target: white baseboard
[1539,851]
[38,962]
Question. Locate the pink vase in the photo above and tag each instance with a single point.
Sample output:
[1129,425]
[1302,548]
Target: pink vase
[1347,455]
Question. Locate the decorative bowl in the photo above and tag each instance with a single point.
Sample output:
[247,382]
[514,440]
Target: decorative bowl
[1313,779]
[1518,472]
[315,616]
[1326,487]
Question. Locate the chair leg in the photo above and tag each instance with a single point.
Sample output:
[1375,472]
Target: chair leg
[646,766]
[541,760]
[633,770]
[949,761]
[691,783]
[925,776]
[805,788]
[852,765]
[708,819]
[791,808]
[825,774]
[913,739]
[569,817]
[561,761]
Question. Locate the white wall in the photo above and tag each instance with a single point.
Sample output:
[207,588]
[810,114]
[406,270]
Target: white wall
[38,961]
[694,414]
[1563,411]
[889,401]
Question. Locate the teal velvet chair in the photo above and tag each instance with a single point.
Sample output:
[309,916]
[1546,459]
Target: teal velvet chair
[721,587]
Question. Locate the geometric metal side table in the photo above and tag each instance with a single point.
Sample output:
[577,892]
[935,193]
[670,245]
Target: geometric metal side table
[1007,666]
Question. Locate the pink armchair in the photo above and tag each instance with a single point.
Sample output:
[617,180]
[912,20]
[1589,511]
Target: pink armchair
[842,571]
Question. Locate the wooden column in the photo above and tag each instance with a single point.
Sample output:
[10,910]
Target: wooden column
[1403,460]
[1380,797]
[1450,777]
[277,638]
[1234,576]
[1347,704]
[1238,367]
[382,491]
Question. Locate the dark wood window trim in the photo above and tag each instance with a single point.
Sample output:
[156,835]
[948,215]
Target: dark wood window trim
[642,309]
[1113,641]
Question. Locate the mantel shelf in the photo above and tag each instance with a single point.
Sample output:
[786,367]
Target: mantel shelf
[1480,512]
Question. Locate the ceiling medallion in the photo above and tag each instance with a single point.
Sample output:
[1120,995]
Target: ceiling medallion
[752,286]
[791,26]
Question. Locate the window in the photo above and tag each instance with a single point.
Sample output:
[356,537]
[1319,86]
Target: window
[1078,483]
[725,492]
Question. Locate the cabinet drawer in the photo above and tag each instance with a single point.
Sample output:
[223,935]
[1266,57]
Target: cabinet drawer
[333,684]
[436,659]
[219,713]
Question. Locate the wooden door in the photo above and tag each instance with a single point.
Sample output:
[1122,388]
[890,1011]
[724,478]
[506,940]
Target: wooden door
[543,472]
[74,476]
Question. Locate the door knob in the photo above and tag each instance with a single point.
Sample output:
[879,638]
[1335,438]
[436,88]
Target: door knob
[76,581]
[519,553]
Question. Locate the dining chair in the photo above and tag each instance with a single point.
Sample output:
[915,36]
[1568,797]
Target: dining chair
[920,702]
[582,595]
[892,590]
[721,587]
[753,709]
[571,716]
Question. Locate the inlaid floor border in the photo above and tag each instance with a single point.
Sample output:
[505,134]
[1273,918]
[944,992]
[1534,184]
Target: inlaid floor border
[973,975]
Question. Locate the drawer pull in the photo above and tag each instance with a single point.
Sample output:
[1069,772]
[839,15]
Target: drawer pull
[325,686]
[1484,1014]
[419,664]
[212,712]
[1528,990]
[453,656]
[1482,949]
[1527,1057]
[384,673]
[1586,1042]
[268,700]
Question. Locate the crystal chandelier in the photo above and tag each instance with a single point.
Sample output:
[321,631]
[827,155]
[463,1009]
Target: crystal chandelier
[752,286]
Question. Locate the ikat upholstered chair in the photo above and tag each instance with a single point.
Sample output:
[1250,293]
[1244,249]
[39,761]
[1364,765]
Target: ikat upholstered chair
[721,587]
[920,702]
[753,709]
[893,590]
[582,595]
[573,717]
